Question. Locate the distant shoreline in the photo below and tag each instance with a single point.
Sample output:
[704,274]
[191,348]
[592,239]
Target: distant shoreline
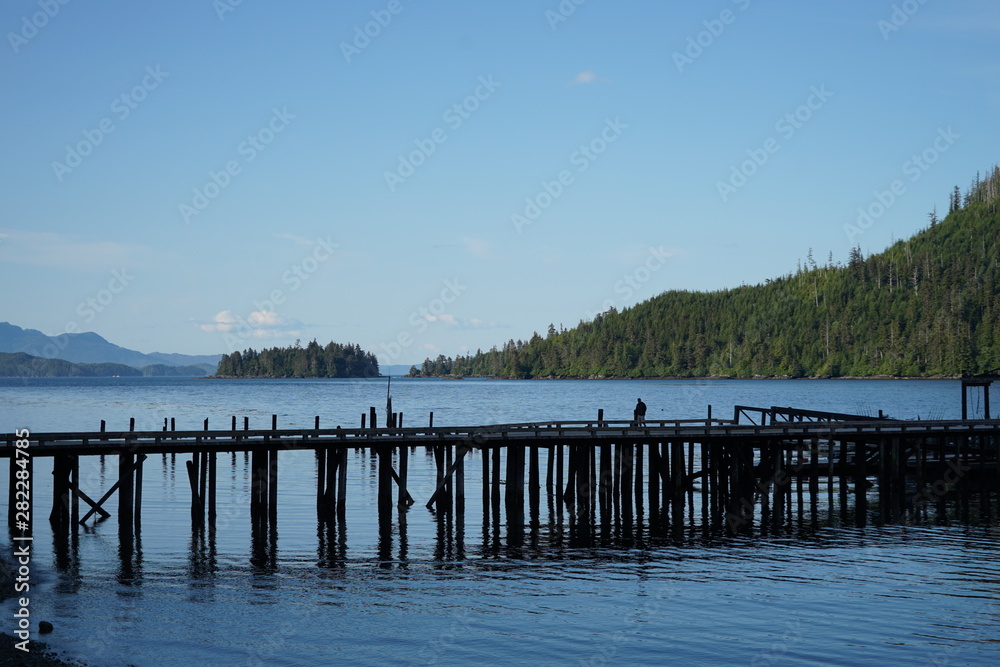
[706,377]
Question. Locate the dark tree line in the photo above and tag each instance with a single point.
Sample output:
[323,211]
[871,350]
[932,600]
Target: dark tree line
[312,361]
[925,306]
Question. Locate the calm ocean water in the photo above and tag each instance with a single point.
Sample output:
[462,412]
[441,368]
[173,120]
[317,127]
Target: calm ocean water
[923,593]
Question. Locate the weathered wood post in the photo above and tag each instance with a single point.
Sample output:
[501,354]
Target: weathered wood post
[514,496]
[569,495]
[384,485]
[814,479]
[861,483]
[126,491]
[626,484]
[550,469]
[137,513]
[330,484]
[341,485]
[560,479]
[495,491]
[705,480]
[583,488]
[61,489]
[677,483]
[653,487]
[272,487]
[459,488]
[638,478]
[75,494]
[321,479]
[440,468]
[616,481]
[666,488]
[486,484]
[534,484]
[404,467]
[604,487]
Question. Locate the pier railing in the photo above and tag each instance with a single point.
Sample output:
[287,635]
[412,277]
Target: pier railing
[600,468]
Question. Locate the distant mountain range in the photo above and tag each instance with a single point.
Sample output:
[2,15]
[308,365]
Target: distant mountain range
[90,348]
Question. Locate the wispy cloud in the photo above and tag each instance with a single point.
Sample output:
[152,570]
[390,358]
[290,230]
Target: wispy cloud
[259,324]
[589,76]
[454,322]
[65,251]
[300,240]
[476,247]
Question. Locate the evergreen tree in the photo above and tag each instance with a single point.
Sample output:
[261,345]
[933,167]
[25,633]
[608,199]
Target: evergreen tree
[924,306]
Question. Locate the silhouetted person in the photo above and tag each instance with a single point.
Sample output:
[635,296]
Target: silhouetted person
[640,413]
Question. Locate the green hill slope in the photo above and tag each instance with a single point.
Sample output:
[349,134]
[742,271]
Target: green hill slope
[925,306]
[24,365]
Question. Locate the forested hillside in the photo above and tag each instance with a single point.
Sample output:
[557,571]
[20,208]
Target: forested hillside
[925,306]
[312,361]
[24,365]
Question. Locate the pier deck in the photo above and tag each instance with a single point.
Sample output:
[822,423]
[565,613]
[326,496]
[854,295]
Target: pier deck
[748,470]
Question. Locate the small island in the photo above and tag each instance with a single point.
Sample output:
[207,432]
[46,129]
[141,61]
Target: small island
[334,360]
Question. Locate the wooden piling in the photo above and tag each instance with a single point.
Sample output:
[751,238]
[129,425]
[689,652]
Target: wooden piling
[459,487]
[495,490]
[75,494]
[638,478]
[402,500]
[272,488]
[604,486]
[486,482]
[61,490]
[126,491]
[628,459]
[534,485]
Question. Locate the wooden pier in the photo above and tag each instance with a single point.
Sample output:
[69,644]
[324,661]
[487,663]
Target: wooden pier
[732,475]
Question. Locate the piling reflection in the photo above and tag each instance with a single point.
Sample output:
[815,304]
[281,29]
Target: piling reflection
[538,499]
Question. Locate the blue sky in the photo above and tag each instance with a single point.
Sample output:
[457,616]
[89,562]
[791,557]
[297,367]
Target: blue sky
[437,177]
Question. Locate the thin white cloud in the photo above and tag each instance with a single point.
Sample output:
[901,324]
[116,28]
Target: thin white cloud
[589,76]
[461,322]
[476,247]
[300,240]
[66,251]
[259,324]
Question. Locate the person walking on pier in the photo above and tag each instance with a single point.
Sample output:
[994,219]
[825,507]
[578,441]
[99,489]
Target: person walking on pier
[639,415]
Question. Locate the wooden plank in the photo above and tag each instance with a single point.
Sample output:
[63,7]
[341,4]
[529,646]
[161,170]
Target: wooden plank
[97,507]
[443,480]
